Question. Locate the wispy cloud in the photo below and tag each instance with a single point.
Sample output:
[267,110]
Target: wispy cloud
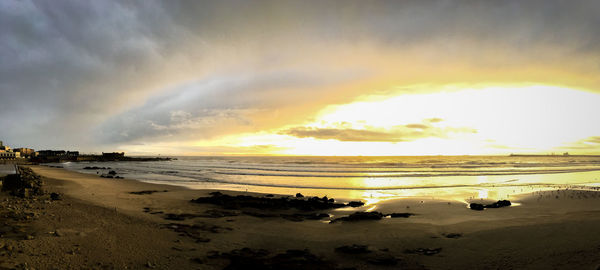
[399,133]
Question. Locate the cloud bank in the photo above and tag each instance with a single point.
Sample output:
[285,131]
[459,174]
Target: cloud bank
[91,75]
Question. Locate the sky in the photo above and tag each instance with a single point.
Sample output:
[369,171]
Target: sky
[301,77]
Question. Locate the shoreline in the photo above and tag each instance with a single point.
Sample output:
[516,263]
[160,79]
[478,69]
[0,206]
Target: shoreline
[543,231]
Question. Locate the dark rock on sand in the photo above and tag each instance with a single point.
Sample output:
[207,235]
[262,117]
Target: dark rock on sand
[356,204]
[299,195]
[400,215]
[196,231]
[216,213]
[25,184]
[184,216]
[382,258]
[144,192]
[358,216]
[96,168]
[476,206]
[353,249]
[245,201]
[498,204]
[55,196]
[301,217]
[453,235]
[424,251]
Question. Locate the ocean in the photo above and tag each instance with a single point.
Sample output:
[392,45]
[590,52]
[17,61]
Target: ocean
[461,178]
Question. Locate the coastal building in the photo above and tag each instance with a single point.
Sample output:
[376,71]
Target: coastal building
[25,152]
[6,153]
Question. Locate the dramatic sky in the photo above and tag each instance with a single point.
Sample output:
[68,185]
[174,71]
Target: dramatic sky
[301,77]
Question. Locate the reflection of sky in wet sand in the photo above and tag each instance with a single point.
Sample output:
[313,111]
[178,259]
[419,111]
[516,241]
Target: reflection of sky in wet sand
[460,179]
[469,188]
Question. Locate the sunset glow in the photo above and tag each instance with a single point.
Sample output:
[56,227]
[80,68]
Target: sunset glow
[451,120]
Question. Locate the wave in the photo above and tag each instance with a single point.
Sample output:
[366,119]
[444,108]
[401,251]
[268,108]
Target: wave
[425,174]
[482,185]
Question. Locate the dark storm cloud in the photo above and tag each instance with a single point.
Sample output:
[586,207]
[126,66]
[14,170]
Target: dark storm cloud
[71,70]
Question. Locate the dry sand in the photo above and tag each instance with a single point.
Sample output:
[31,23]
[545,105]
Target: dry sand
[98,224]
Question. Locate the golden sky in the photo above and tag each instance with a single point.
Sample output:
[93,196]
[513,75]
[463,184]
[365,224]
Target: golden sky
[301,77]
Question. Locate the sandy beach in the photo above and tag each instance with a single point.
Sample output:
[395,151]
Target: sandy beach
[99,224]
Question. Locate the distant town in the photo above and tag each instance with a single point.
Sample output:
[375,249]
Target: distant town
[24,154]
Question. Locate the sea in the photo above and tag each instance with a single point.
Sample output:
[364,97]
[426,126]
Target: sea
[461,178]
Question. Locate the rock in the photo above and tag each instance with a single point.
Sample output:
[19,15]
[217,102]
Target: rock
[25,184]
[198,260]
[498,204]
[112,173]
[299,195]
[145,192]
[316,216]
[400,215]
[55,196]
[245,201]
[295,218]
[96,168]
[381,258]
[356,204]
[453,235]
[353,249]
[358,216]
[476,206]
[424,251]
[215,213]
[269,196]
[184,216]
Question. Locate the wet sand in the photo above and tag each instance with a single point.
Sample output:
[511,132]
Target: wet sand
[99,224]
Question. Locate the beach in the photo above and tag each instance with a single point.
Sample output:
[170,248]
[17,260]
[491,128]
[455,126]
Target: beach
[98,224]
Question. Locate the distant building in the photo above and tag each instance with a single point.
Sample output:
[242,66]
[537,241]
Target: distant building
[6,153]
[25,152]
[50,153]
[55,155]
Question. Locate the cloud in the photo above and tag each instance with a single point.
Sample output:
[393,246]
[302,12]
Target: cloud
[590,144]
[83,74]
[434,120]
[210,107]
[398,133]
[417,126]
